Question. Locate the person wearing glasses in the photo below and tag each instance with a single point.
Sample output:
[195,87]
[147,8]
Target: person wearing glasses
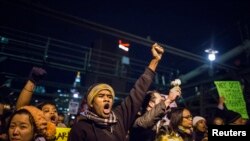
[180,127]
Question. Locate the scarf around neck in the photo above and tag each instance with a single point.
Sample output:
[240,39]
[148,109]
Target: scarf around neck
[185,130]
[98,120]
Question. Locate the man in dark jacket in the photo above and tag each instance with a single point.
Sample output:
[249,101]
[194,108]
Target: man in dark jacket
[100,122]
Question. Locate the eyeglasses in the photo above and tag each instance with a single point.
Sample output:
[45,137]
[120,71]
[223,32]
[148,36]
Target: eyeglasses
[188,117]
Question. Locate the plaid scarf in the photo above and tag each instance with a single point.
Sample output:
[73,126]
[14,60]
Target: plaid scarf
[100,121]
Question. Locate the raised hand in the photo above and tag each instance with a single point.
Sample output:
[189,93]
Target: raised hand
[174,93]
[157,51]
[37,74]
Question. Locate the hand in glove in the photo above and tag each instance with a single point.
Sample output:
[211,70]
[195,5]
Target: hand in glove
[37,74]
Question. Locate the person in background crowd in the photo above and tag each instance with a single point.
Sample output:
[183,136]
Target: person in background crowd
[49,108]
[145,125]
[3,132]
[101,122]
[84,105]
[200,128]
[180,127]
[218,118]
[218,121]
[61,118]
[174,85]
[35,77]
[230,117]
[29,124]
[72,121]
[233,118]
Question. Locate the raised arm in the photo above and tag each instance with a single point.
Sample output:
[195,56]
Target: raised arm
[36,74]
[221,103]
[157,52]
[131,105]
[150,118]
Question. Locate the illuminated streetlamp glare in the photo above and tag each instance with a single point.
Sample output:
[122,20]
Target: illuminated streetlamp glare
[211,54]
[211,57]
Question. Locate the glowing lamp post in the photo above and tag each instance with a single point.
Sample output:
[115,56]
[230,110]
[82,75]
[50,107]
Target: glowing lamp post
[211,54]
[211,57]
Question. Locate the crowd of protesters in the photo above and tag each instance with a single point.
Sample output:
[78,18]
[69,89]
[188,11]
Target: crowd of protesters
[143,115]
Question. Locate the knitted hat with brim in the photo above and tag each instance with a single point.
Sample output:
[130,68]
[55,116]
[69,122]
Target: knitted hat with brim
[197,119]
[44,128]
[95,89]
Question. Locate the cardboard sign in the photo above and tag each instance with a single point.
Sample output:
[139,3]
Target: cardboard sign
[62,134]
[234,99]
[73,107]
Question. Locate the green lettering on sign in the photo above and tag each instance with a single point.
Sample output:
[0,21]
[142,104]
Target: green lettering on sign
[232,92]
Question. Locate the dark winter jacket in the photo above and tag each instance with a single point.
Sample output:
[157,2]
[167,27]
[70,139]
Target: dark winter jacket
[87,130]
[143,128]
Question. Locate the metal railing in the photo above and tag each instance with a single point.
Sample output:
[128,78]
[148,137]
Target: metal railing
[63,55]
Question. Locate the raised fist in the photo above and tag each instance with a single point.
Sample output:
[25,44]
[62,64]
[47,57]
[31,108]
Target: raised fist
[37,74]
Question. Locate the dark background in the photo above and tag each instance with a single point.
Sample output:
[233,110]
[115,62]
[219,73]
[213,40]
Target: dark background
[188,25]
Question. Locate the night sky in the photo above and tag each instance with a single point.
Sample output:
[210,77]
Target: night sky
[190,25]
[186,24]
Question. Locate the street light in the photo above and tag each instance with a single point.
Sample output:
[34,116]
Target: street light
[211,54]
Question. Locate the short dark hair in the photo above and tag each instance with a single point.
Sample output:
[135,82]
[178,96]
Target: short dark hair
[41,104]
[25,112]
